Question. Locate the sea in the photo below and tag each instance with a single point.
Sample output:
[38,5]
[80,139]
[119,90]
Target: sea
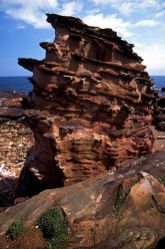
[22,84]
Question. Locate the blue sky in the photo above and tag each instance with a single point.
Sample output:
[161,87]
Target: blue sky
[23,25]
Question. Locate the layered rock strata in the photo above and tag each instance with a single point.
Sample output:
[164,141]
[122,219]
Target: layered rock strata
[90,108]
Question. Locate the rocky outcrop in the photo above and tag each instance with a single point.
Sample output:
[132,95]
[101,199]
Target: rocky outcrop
[159,117]
[91,106]
[15,141]
[108,211]
[10,106]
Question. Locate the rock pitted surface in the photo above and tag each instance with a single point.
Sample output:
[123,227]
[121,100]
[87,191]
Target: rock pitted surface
[90,108]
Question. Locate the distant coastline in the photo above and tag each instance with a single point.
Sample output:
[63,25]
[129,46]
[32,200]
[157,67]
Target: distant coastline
[159,83]
[21,84]
[15,84]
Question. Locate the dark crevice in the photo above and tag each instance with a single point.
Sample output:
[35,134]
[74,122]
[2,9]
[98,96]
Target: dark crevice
[160,244]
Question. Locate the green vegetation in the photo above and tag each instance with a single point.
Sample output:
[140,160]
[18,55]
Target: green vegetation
[58,243]
[16,229]
[54,227]
[121,197]
[162,180]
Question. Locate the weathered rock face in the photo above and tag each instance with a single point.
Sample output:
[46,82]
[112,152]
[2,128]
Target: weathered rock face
[159,117]
[91,106]
[107,211]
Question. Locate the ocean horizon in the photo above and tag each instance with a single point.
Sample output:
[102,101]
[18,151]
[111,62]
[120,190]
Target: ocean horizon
[22,84]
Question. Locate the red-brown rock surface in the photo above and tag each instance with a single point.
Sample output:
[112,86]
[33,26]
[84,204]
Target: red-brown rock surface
[159,117]
[91,106]
[15,141]
[105,212]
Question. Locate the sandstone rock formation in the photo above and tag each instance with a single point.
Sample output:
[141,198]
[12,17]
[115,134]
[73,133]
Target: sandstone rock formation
[90,108]
[107,211]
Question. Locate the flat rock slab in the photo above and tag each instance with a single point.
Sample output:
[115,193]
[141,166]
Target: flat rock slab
[93,220]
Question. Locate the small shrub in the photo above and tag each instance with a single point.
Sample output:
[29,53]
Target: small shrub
[57,243]
[16,229]
[54,227]
[162,180]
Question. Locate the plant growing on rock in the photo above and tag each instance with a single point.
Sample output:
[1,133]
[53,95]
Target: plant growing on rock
[162,180]
[53,224]
[16,229]
[122,195]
